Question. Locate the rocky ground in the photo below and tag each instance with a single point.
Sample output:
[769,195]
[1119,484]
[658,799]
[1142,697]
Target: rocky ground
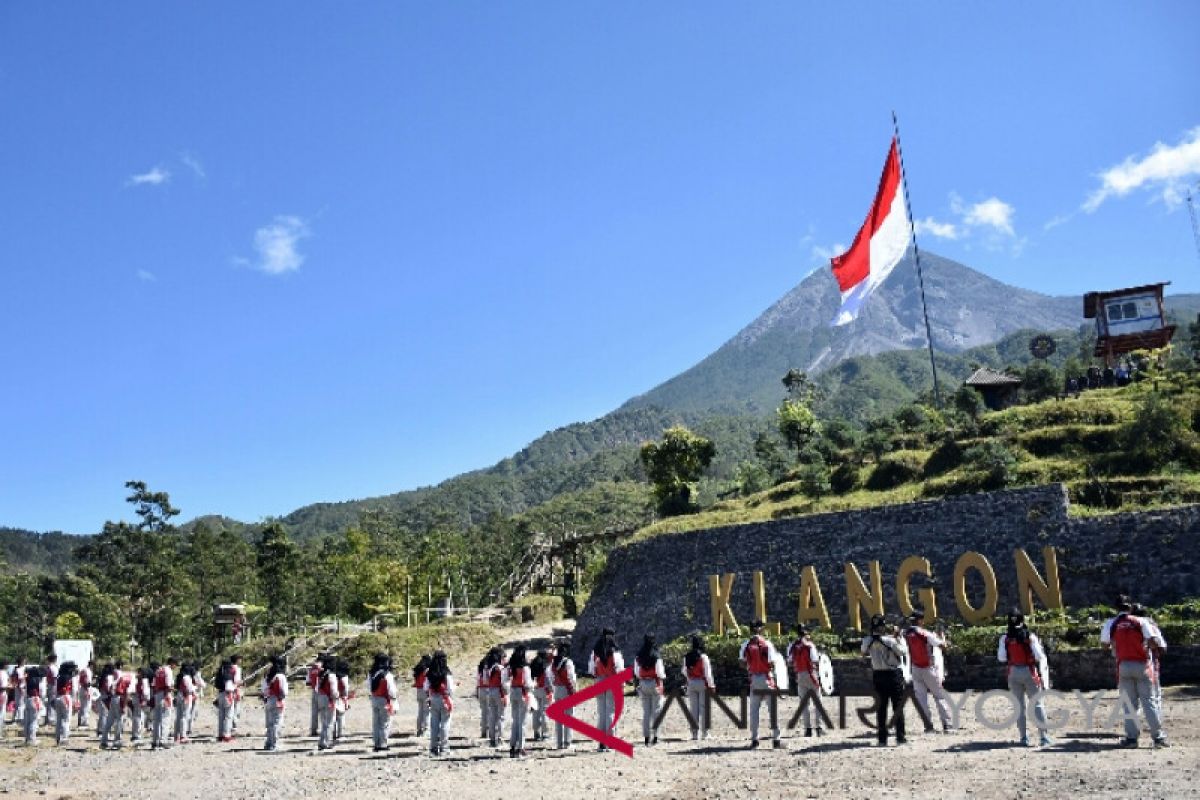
[977,761]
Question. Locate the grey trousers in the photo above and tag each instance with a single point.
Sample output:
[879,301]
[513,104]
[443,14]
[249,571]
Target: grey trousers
[544,699]
[562,734]
[18,703]
[328,715]
[520,710]
[422,711]
[30,719]
[163,716]
[1024,689]
[439,726]
[926,683]
[759,683]
[484,724]
[804,685]
[697,692]
[114,722]
[497,713]
[274,708]
[314,720]
[651,705]
[85,707]
[101,716]
[136,716]
[605,709]
[224,715]
[62,719]
[185,707]
[381,721]
[1137,688]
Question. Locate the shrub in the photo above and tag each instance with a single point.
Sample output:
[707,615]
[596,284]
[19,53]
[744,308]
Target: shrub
[846,478]
[995,460]
[541,608]
[1154,437]
[814,480]
[947,456]
[752,478]
[896,469]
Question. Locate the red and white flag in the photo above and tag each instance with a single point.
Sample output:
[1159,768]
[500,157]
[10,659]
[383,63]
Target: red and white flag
[880,244]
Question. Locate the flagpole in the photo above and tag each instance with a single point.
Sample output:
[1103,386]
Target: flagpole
[912,229]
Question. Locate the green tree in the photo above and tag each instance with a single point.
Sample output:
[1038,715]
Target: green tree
[139,566]
[969,402]
[797,424]
[673,467]
[1041,382]
[279,573]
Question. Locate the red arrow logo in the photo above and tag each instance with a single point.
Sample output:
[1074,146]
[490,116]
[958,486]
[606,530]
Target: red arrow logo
[614,684]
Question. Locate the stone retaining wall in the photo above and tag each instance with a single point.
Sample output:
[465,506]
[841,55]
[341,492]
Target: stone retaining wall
[660,585]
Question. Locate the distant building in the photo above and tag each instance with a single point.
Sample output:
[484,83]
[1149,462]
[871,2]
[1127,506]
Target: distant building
[999,389]
[1127,320]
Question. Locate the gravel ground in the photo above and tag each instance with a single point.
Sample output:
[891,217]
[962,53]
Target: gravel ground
[976,761]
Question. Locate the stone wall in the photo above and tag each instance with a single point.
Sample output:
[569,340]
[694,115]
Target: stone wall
[660,585]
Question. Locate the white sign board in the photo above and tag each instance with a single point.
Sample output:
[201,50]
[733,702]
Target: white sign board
[77,650]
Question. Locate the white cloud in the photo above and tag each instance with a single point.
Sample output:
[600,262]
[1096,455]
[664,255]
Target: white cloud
[1166,170]
[155,177]
[146,275]
[191,162]
[991,213]
[825,253]
[940,230]
[1054,222]
[276,245]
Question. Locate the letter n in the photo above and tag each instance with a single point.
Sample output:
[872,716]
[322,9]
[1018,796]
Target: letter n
[721,587]
[857,596]
[1029,582]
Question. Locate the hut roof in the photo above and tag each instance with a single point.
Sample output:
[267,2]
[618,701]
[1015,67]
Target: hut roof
[983,377]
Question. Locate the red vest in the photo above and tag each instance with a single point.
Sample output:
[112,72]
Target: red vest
[381,689]
[562,675]
[123,681]
[696,671]
[274,689]
[160,680]
[758,658]
[314,675]
[801,658]
[1019,654]
[918,649]
[1128,639]
[419,679]
[495,677]
[518,678]
[326,685]
[540,681]
[606,667]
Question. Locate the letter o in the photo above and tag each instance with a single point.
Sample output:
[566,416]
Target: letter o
[991,595]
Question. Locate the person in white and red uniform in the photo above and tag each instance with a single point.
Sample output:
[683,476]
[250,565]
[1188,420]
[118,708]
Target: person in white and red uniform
[562,681]
[928,674]
[1133,639]
[1028,674]
[650,673]
[163,683]
[606,661]
[758,656]
[328,692]
[86,679]
[439,684]
[418,673]
[311,680]
[382,684]
[275,692]
[804,659]
[543,694]
[185,702]
[66,688]
[520,692]
[496,692]
[697,671]
[1156,652]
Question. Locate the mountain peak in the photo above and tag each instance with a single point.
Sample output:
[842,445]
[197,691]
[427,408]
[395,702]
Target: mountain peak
[966,309]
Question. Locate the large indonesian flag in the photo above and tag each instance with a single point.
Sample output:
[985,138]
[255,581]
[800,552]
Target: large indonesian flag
[880,244]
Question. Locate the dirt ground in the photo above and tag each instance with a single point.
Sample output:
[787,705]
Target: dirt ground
[975,762]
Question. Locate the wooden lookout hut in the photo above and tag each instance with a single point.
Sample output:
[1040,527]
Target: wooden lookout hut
[999,389]
[1127,320]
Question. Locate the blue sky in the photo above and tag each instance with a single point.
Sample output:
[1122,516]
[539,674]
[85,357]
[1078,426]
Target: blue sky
[264,254]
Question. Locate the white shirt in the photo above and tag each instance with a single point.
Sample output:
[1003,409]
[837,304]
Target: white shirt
[618,663]
[707,666]
[1035,646]
[1150,631]
[660,672]
[771,653]
[281,686]
[553,675]
[886,652]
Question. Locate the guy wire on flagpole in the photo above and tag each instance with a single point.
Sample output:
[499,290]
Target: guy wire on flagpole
[912,228]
